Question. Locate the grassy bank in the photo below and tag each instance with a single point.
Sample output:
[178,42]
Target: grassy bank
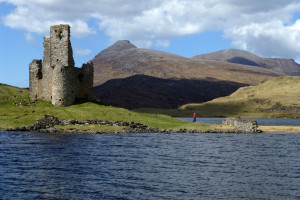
[16,109]
[283,129]
[275,98]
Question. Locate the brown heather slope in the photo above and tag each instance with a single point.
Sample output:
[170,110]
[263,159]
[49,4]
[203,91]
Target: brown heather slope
[123,59]
[131,77]
[284,66]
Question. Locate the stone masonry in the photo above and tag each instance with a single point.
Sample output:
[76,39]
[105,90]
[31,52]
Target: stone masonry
[247,126]
[56,78]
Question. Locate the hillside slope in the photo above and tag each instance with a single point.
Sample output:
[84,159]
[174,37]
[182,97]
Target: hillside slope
[7,92]
[285,66]
[131,77]
[17,110]
[278,97]
[123,60]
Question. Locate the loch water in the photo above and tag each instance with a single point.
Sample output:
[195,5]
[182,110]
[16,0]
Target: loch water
[149,166]
[260,121]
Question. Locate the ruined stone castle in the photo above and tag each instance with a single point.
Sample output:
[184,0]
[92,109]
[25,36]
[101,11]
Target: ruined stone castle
[55,78]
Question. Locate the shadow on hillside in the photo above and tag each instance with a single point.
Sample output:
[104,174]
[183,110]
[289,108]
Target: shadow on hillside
[243,61]
[141,91]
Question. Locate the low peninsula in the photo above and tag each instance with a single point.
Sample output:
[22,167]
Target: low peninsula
[19,112]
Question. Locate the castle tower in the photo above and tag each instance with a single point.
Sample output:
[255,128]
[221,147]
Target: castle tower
[61,53]
[56,79]
[62,62]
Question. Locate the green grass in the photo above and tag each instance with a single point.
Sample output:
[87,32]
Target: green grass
[278,97]
[16,109]
[8,92]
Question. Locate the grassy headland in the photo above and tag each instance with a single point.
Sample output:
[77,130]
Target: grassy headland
[277,97]
[17,109]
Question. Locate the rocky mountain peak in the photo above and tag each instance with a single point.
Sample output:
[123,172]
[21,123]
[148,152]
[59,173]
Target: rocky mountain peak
[121,45]
[113,50]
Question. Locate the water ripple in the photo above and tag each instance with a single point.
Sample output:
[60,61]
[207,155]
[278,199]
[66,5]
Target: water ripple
[149,166]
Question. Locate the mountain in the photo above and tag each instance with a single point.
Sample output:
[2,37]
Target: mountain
[286,66]
[166,80]
[123,59]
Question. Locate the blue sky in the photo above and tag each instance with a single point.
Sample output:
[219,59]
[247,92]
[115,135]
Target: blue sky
[269,28]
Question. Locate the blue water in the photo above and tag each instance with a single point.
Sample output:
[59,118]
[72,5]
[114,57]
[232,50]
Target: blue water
[260,121]
[149,166]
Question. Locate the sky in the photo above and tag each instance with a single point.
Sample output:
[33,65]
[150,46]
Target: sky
[268,28]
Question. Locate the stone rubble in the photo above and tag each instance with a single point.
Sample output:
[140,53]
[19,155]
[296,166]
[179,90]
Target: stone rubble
[25,102]
[47,124]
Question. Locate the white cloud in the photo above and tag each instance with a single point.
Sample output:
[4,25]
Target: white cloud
[29,37]
[37,16]
[81,28]
[82,52]
[263,27]
[271,39]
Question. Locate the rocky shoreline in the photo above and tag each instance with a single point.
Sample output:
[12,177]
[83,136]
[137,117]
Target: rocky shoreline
[48,123]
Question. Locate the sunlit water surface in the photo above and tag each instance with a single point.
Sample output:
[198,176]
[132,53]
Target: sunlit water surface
[149,166]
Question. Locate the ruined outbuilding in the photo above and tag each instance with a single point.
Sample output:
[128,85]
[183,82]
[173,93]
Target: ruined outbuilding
[56,79]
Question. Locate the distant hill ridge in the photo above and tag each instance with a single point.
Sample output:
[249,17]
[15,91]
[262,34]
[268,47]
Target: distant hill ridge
[123,59]
[286,66]
[165,80]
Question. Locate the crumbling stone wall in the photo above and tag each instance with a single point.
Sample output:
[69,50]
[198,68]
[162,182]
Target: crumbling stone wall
[47,72]
[56,79]
[85,81]
[35,78]
[248,126]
